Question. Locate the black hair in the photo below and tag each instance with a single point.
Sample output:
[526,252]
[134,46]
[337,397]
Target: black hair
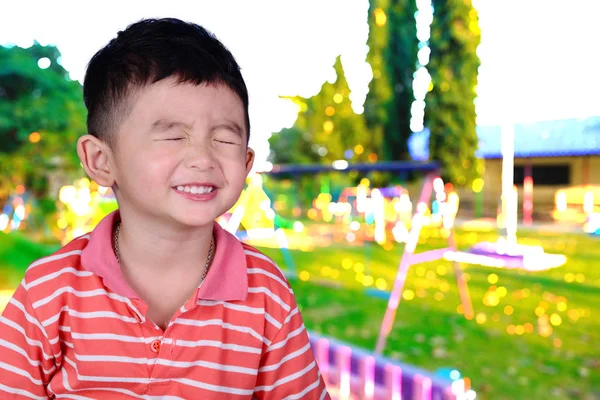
[149,51]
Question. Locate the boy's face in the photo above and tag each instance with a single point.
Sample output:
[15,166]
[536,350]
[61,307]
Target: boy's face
[182,152]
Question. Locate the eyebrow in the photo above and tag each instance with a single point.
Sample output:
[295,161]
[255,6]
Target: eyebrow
[165,124]
[233,126]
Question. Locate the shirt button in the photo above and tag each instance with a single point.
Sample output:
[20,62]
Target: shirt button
[155,346]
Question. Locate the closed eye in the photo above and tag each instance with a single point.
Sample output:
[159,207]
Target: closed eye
[226,142]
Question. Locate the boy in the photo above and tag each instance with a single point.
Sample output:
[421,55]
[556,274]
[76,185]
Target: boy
[159,302]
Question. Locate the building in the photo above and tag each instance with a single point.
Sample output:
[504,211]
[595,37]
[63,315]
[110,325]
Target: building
[557,155]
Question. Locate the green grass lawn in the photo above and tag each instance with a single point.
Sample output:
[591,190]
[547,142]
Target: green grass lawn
[501,351]
[562,363]
[16,253]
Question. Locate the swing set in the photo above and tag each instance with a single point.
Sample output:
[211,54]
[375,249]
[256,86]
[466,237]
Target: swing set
[432,184]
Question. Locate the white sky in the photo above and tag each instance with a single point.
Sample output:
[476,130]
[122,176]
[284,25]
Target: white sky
[538,54]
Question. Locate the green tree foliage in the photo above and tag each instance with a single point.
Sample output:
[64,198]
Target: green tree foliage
[450,109]
[41,115]
[327,129]
[393,47]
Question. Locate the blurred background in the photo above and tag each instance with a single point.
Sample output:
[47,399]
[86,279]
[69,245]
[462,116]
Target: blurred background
[427,176]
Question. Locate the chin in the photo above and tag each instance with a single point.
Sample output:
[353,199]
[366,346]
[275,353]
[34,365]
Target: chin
[195,219]
[189,223]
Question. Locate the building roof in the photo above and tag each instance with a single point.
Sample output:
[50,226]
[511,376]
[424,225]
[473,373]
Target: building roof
[569,137]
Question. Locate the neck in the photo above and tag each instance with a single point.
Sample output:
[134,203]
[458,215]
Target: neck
[160,248]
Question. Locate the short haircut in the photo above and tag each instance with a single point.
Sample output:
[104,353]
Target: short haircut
[149,51]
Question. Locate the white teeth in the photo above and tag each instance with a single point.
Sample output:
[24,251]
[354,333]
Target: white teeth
[195,189]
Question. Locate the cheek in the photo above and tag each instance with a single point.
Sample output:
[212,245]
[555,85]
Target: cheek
[150,171]
[236,173]
[227,151]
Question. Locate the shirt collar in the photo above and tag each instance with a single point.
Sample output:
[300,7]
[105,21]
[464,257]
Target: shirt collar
[227,279]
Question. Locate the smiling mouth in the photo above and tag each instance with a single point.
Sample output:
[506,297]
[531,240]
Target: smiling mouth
[192,189]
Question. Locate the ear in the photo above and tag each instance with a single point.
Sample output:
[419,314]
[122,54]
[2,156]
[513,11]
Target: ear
[249,160]
[94,155]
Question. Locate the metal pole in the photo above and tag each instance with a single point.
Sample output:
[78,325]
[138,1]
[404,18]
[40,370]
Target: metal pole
[508,162]
[405,262]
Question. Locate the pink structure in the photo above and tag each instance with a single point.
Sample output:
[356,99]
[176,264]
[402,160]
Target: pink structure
[409,257]
[505,253]
[356,374]
[528,197]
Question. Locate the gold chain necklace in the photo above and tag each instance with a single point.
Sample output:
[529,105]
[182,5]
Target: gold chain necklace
[206,265]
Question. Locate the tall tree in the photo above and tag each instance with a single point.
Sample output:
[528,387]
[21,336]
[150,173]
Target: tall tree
[327,128]
[393,47]
[450,108]
[41,115]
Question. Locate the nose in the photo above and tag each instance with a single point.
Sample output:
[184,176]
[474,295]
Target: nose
[201,157]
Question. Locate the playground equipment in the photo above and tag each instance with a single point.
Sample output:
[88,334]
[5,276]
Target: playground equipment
[432,183]
[353,373]
[506,252]
[388,209]
[356,374]
[253,211]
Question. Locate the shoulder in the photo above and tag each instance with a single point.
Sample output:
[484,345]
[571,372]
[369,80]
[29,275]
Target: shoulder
[267,278]
[264,267]
[68,256]
[60,272]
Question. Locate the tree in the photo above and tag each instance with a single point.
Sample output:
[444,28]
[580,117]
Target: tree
[450,108]
[41,115]
[393,47]
[327,129]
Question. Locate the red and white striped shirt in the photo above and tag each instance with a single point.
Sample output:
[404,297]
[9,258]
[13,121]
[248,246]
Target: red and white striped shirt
[75,329]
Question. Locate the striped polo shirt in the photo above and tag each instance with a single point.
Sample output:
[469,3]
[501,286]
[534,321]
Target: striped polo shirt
[75,329]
